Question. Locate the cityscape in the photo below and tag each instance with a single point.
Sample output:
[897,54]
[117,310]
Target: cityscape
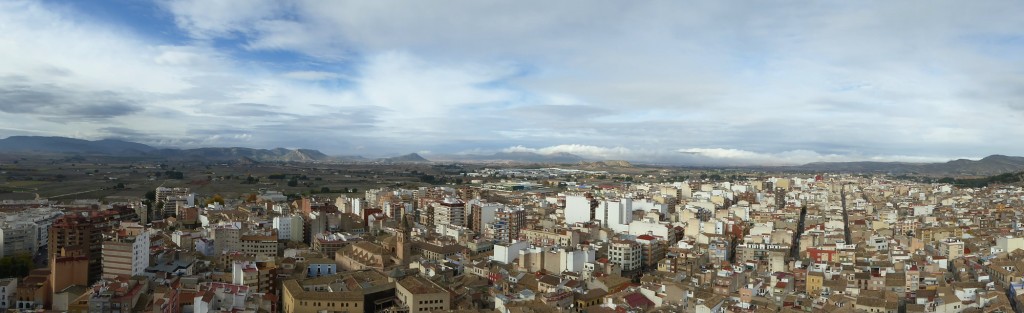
[262,156]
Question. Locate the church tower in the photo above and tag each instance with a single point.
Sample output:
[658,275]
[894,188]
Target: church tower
[403,248]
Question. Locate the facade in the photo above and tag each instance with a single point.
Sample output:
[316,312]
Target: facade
[18,238]
[126,255]
[8,287]
[117,295]
[418,294]
[546,238]
[627,254]
[331,294]
[450,211]
[289,227]
[85,232]
[512,220]
[258,245]
[363,255]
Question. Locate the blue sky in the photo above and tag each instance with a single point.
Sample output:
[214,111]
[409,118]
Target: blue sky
[711,82]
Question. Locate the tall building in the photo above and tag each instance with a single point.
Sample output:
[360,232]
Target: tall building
[450,211]
[226,239]
[83,231]
[403,246]
[513,220]
[170,198]
[68,268]
[126,254]
[626,253]
[289,227]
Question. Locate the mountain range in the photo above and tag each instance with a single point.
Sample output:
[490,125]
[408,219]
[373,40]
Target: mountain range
[991,165]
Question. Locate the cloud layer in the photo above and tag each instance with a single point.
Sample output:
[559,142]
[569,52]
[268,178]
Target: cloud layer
[732,82]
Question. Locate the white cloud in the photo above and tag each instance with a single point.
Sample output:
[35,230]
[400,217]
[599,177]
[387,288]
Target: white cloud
[625,81]
[311,75]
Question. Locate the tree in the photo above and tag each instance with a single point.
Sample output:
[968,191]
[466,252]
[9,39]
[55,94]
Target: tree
[293,183]
[16,265]
[151,195]
[217,198]
[325,190]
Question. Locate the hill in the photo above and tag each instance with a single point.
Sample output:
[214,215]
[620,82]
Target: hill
[112,147]
[990,165]
[408,158]
[64,145]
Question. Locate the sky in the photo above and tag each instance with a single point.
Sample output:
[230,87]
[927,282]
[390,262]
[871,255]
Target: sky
[686,82]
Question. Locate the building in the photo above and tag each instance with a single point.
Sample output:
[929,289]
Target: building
[226,239]
[512,220]
[357,291]
[262,245]
[652,251]
[18,238]
[8,287]
[418,294]
[481,214]
[172,198]
[221,297]
[117,295]
[450,211]
[626,253]
[69,268]
[289,227]
[538,237]
[363,255]
[84,231]
[126,254]
[329,244]
[951,248]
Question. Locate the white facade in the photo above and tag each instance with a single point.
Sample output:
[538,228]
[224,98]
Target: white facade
[288,227]
[1009,244]
[650,227]
[19,238]
[577,209]
[8,287]
[450,212]
[505,254]
[627,254]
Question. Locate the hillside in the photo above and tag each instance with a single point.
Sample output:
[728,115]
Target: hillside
[111,147]
[991,165]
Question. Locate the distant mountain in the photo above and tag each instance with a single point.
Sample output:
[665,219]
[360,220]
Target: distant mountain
[607,163]
[990,165]
[261,155]
[64,145]
[517,157]
[408,158]
[111,147]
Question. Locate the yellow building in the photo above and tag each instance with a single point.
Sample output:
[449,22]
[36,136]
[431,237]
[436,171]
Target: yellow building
[815,281]
[419,294]
[358,291]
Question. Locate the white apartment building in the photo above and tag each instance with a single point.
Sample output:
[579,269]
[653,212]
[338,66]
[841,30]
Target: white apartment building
[126,255]
[21,237]
[627,254]
[8,286]
[451,211]
[289,227]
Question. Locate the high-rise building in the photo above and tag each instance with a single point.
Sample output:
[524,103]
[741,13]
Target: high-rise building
[126,254]
[626,253]
[514,220]
[171,198]
[83,231]
[450,211]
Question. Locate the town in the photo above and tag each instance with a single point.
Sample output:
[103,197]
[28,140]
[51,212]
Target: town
[528,240]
